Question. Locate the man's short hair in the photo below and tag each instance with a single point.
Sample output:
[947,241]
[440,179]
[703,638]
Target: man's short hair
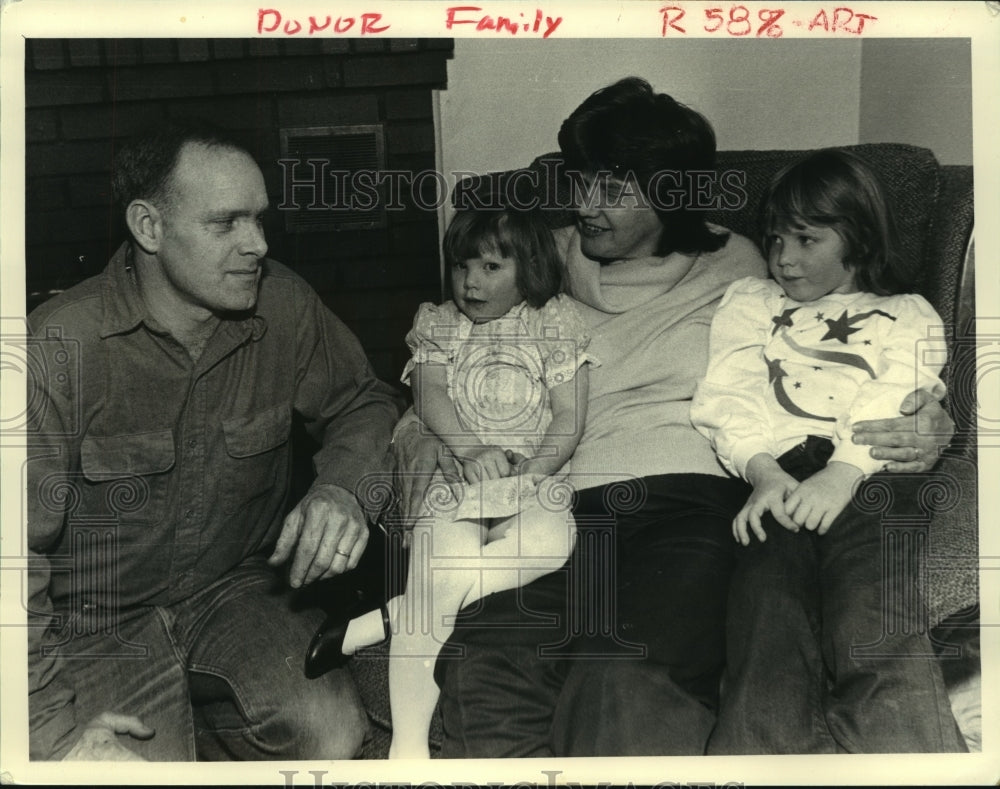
[143,167]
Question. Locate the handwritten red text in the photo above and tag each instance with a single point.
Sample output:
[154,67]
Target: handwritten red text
[270,20]
[739,20]
[841,19]
[469,15]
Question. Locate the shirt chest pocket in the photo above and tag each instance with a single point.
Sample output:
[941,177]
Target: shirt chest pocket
[256,449]
[132,472]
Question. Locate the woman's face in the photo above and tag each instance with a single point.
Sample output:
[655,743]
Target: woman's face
[616,221]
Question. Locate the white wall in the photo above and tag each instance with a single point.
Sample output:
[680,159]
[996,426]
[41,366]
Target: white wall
[506,98]
[919,91]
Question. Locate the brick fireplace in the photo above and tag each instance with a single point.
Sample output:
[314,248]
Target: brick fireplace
[82,95]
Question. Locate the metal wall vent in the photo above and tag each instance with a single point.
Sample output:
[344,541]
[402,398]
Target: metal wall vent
[331,178]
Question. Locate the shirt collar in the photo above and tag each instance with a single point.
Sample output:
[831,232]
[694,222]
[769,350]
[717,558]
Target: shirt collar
[124,308]
[514,312]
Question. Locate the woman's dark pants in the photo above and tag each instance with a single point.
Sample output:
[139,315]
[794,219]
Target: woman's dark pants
[620,652]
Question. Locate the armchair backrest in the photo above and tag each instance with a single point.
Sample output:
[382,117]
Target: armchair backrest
[932,206]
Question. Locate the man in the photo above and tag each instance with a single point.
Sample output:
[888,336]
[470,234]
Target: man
[159,473]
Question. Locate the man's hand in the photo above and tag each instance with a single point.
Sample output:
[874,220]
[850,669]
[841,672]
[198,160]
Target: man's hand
[817,501]
[327,533]
[911,442]
[99,741]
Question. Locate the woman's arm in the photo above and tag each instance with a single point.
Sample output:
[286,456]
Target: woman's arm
[569,416]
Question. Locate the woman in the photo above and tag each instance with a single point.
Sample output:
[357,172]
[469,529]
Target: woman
[622,653]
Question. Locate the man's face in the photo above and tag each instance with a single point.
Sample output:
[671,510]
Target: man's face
[213,239]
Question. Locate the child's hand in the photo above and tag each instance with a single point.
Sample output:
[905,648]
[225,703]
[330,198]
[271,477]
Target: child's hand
[771,484]
[817,502]
[532,468]
[769,493]
[485,462]
[515,458]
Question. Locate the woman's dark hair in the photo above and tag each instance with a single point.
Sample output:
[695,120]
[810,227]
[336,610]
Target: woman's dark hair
[628,129]
[144,165]
[521,235]
[834,188]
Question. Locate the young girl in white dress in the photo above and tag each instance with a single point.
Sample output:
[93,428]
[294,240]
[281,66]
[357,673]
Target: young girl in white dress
[499,374]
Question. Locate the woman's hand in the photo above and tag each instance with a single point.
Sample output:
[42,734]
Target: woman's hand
[911,442]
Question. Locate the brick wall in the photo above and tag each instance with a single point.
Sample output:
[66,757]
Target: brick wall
[83,94]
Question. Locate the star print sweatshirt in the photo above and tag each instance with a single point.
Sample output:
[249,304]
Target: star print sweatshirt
[780,370]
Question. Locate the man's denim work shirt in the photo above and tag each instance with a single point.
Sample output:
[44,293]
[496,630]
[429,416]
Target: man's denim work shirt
[150,475]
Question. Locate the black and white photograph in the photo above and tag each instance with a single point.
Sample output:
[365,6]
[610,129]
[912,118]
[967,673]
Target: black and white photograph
[551,394]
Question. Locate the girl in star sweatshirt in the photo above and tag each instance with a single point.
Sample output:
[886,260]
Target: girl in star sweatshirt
[817,659]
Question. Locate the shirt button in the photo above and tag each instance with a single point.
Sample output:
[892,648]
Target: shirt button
[189,514]
[192,443]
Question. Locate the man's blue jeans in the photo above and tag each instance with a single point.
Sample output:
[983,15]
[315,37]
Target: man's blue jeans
[219,676]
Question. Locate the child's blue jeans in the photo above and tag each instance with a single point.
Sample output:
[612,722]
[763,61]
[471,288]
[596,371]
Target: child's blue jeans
[827,641]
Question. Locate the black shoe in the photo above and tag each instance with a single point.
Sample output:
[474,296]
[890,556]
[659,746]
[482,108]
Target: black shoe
[326,648]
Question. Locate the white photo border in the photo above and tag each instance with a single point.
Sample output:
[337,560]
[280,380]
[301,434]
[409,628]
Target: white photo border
[979,22]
